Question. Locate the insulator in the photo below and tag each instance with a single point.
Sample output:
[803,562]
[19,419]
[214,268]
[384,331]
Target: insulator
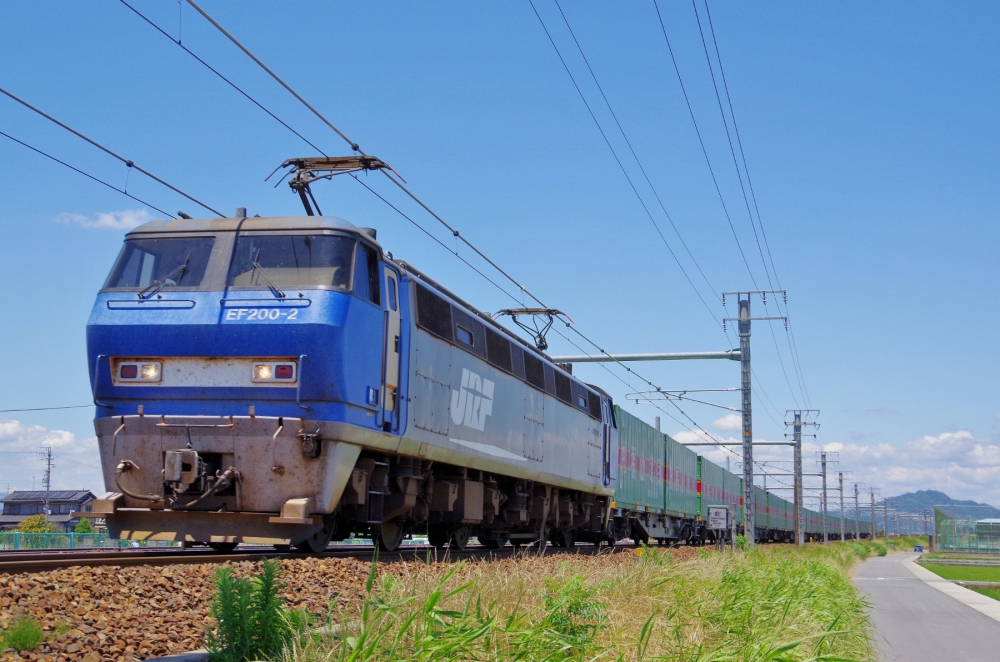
[723,299]
[785,295]
[723,326]
[786,323]
[763,297]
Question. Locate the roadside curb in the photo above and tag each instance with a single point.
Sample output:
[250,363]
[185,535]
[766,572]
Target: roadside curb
[978,601]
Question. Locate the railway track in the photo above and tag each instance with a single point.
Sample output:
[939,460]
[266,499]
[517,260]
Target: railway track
[18,561]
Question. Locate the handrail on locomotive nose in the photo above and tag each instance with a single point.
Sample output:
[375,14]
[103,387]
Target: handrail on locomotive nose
[306,172]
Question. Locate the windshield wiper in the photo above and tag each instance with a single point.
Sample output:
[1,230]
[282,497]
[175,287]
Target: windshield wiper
[270,283]
[158,284]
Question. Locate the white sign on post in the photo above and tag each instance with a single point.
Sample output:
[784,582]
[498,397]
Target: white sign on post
[718,517]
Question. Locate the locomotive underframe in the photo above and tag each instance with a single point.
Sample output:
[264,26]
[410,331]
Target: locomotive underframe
[294,481]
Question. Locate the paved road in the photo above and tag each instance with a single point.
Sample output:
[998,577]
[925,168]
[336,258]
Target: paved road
[918,623]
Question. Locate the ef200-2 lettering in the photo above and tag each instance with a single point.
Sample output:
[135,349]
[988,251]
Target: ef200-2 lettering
[260,315]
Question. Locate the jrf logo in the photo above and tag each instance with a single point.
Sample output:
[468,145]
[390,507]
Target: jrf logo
[473,402]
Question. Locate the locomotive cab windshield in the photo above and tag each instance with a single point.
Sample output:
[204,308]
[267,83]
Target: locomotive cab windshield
[178,262]
[292,260]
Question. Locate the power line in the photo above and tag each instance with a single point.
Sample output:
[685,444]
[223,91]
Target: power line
[127,162]
[85,174]
[614,115]
[704,151]
[217,73]
[739,142]
[9,411]
[638,162]
[746,201]
[401,186]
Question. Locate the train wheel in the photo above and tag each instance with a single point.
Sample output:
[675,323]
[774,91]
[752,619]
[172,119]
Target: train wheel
[318,541]
[437,535]
[460,538]
[223,547]
[490,543]
[565,538]
[390,535]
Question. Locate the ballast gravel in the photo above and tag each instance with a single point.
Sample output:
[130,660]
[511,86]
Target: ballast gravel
[132,613]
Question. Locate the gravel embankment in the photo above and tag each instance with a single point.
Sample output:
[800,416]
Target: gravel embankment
[131,613]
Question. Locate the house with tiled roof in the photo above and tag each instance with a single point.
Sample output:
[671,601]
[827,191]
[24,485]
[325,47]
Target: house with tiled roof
[57,505]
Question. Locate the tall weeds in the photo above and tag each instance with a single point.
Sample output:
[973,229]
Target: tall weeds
[250,621]
[769,604]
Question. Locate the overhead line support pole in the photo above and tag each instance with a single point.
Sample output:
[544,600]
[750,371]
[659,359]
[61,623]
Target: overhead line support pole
[840,479]
[857,515]
[749,518]
[743,321]
[797,424]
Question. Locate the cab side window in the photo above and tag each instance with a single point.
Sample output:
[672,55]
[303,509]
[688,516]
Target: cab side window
[391,283]
[366,280]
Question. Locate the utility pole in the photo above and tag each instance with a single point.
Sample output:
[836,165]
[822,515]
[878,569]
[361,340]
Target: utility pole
[822,461]
[46,453]
[857,515]
[797,424]
[873,491]
[840,479]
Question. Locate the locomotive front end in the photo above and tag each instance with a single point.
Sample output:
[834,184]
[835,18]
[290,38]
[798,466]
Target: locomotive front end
[238,366]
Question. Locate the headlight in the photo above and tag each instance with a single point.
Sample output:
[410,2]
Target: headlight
[139,371]
[274,371]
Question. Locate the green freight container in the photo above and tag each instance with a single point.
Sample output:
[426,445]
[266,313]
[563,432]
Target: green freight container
[711,486]
[760,508]
[682,480]
[740,500]
[781,511]
[641,462]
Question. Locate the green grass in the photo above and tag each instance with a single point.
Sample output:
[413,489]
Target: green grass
[962,556]
[968,573]
[775,604]
[989,592]
[24,634]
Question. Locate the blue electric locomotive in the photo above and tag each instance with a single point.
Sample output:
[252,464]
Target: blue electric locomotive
[282,380]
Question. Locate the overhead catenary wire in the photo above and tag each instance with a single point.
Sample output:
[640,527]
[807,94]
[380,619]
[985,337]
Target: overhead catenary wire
[620,165]
[85,174]
[790,335]
[746,201]
[354,146]
[628,142]
[701,142]
[215,71]
[639,163]
[128,162]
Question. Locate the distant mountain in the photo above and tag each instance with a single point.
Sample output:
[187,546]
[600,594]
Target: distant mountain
[914,502]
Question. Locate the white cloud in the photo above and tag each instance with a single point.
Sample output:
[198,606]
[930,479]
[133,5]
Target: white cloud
[112,220]
[728,422]
[956,463]
[76,462]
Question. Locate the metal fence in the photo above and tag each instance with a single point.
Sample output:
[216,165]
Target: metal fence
[17,540]
[958,529]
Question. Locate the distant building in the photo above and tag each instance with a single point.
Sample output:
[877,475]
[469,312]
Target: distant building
[18,506]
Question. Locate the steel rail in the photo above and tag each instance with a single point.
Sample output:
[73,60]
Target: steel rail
[28,563]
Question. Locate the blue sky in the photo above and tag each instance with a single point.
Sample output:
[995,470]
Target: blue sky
[869,131]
